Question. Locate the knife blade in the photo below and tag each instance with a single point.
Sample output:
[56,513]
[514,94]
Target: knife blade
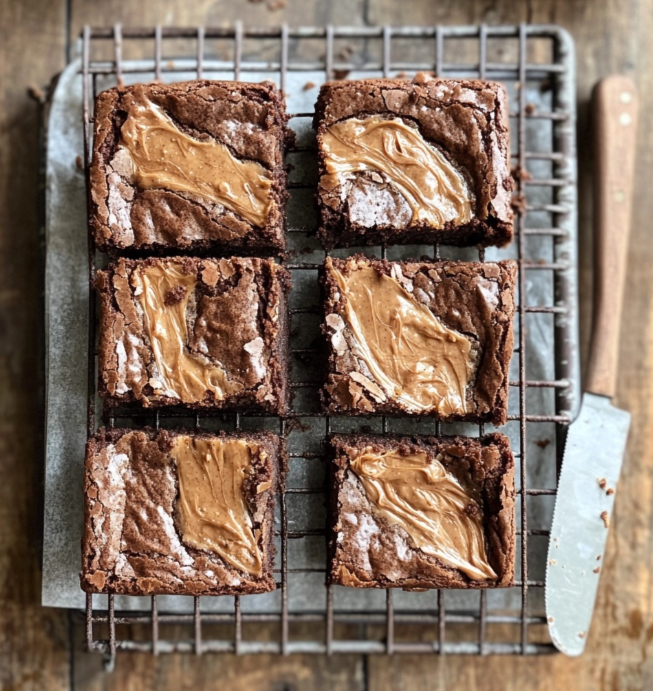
[596,440]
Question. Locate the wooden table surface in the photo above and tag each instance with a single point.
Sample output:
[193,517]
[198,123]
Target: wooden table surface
[38,647]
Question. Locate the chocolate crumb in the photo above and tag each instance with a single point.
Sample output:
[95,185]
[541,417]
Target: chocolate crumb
[295,424]
[609,491]
[542,443]
[472,510]
[174,296]
[308,86]
[597,569]
[340,74]
[520,173]
[79,163]
[602,482]
[36,93]
[518,203]
[598,558]
[530,108]
[605,517]
[346,52]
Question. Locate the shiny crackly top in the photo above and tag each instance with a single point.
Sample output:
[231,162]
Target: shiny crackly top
[434,189]
[161,156]
[412,356]
[213,511]
[429,503]
[163,291]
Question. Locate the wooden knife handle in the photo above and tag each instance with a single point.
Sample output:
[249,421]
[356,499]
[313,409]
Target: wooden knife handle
[615,110]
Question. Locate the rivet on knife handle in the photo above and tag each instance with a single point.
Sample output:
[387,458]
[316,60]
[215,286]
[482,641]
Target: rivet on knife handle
[615,104]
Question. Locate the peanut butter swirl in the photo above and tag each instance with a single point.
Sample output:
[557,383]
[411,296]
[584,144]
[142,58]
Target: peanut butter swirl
[435,191]
[213,512]
[180,373]
[429,503]
[413,357]
[164,157]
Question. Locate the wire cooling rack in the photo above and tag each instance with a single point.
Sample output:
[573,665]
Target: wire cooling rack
[537,65]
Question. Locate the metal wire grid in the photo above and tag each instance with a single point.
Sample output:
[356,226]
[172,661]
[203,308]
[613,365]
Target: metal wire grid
[565,384]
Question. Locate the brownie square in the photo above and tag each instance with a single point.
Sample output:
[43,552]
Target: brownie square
[428,512]
[420,161]
[419,338]
[179,513]
[195,332]
[192,166]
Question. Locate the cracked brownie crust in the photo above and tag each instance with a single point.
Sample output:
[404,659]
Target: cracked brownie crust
[418,338]
[371,547]
[458,128]
[195,166]
[138,539]
[195,332]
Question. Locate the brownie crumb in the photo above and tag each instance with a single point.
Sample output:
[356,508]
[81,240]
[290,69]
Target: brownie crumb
[174,296]
[308,86]
[296,425]
[520,173]
[519,203]
[340,74]
[542,443]
[36,93]
[346,52]
[602,482]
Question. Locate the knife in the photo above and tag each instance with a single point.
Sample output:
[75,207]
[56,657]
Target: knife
[596,440]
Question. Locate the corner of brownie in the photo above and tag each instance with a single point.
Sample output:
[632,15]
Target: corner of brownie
[418,338]
[421,512]
[195,333]
[421,161]
[154,525]
[194,166]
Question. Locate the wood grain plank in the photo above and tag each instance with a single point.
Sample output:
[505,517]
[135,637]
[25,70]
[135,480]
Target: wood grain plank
[33,641]
[212,13]
[251,673]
